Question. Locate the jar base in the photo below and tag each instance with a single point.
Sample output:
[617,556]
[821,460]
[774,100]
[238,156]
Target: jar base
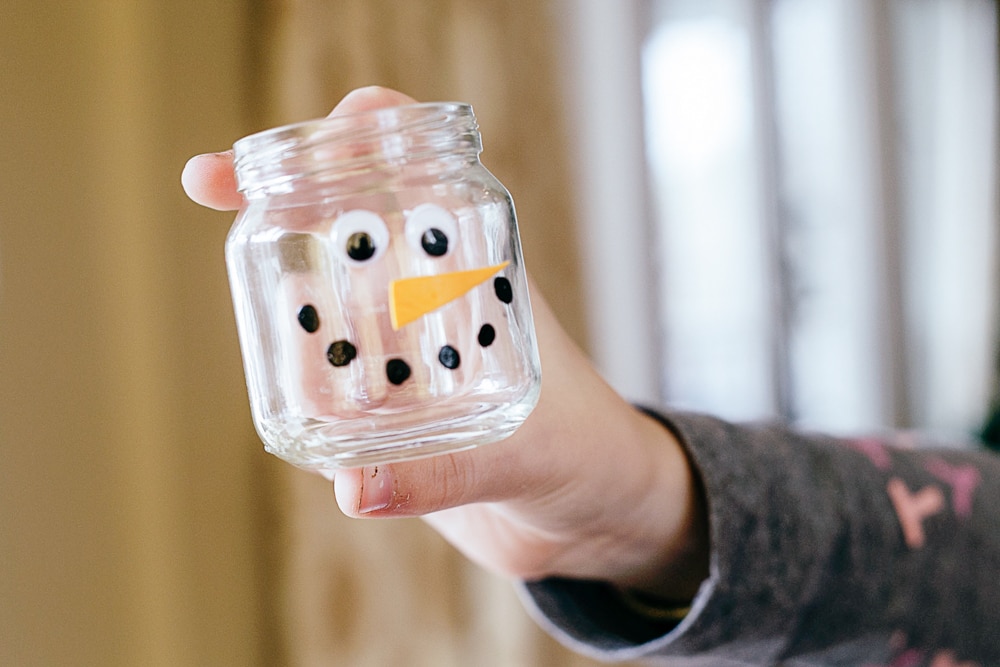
[319,445]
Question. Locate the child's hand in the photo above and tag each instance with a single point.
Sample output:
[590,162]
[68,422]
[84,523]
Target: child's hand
[587,488]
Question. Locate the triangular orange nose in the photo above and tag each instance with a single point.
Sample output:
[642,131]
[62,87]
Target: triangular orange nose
[412,298]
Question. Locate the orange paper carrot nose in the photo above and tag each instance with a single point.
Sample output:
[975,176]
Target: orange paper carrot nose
[412,298]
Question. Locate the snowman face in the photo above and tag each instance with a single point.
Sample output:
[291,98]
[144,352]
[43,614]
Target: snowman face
[406,311]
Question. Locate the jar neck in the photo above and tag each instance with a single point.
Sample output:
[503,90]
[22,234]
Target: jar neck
[344,146]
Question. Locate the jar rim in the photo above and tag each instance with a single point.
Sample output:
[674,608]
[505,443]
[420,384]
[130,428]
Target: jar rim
[387,117]
[281,155]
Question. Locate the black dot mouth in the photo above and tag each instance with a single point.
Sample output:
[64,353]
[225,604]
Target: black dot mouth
[487,334]
[503,289]
[341,353]
[449,358]
[308,318]
[397,371]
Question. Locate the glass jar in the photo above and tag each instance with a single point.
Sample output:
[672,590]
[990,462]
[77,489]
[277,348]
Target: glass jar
[380,296]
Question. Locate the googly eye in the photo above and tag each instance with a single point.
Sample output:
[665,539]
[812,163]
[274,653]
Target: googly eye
[431,229]
[360,236]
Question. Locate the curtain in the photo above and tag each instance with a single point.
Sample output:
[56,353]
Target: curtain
[380,593]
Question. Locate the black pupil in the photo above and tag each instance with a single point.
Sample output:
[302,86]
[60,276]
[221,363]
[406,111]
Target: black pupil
[360,246]
[434,241]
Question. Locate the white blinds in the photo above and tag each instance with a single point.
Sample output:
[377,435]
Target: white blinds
[822,206]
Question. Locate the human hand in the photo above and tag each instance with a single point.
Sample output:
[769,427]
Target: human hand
[587,488]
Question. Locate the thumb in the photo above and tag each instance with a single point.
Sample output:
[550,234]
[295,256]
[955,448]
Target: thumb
[489,473]
[561,442]
[209,180]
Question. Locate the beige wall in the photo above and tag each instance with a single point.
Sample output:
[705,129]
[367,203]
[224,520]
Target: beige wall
[140,522]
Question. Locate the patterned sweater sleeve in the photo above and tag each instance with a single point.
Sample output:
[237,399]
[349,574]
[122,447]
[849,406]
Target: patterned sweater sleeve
[823,552]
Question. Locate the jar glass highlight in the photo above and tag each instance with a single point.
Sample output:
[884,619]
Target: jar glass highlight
[380,295]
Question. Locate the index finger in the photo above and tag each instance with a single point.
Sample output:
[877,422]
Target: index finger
[209,180]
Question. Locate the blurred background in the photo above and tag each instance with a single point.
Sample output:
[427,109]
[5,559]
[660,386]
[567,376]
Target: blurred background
[759,208]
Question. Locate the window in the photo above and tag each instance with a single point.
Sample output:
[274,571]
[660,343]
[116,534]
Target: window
[822,203]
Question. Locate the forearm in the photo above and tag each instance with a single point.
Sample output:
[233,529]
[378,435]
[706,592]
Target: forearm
[817,545]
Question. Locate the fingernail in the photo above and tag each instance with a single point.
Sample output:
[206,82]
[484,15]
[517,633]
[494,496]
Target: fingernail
[376,489]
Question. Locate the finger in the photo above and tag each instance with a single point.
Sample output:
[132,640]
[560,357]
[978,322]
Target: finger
[576,416]
[491,473]
[370,98]
[209,180]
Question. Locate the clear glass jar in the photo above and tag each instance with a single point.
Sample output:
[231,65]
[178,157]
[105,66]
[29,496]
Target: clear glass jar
[379,289]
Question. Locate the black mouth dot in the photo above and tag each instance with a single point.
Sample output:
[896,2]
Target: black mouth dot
[487,334]
[341,353]
[448,356]
[503,289]
[309,318]
[397,370]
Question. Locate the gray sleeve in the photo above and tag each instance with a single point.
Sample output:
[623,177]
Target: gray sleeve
[824,552]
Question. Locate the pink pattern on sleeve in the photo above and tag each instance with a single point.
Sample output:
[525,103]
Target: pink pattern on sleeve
[913,508]
[914,657]
[963,480]
[948,659]
[875,450]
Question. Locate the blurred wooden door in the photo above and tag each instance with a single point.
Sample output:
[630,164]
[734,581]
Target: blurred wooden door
[130,478]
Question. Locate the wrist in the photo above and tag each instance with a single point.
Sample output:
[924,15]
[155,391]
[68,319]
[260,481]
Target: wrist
[675,563]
